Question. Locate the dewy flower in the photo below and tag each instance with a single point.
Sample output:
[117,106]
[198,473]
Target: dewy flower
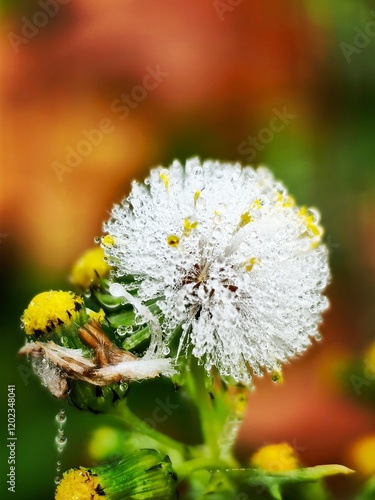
[231,258]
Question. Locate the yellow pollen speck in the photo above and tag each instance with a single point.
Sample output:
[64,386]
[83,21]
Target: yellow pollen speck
[314,230]
[189,226]
[164,176]
[48,310]
[250,263]
[89,268]
[245,219]
[275,458]
[290,202]
[79,484]
[173,240]
[196,196]
[256,205]
[277,376]
[108,241]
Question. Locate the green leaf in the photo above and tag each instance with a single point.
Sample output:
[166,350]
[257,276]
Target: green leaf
[274,481]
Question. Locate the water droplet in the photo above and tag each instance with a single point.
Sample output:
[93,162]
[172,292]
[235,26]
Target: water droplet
[61,417]
[61,440]
[97,239]
[57,480]
[139,320]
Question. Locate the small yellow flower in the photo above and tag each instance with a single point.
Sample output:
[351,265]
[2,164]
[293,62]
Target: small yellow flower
[275,458]
[362,455]
[89,268]
[141,475]
[79,484]
[48,310]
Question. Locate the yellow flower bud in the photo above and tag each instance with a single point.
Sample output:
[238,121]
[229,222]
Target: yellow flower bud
[89,268]
[48,310]
[275,458]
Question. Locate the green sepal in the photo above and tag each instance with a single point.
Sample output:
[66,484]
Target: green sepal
[97,399]
[142,475]
[137,338]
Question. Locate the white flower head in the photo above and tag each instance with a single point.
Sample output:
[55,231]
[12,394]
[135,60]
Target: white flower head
[231,258]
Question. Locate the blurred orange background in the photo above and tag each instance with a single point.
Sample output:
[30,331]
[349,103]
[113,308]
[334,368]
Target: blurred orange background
[93,94]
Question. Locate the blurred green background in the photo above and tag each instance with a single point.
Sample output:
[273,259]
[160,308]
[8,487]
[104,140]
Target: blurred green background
[219,73]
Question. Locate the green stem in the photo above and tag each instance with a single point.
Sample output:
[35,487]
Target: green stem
[134,423]
[210,419]
[208,464]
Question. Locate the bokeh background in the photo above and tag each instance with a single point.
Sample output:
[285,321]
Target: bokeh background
[221,71]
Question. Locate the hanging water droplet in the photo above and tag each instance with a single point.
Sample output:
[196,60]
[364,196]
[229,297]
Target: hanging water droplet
[57,480]
[61,417]
[61,440]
